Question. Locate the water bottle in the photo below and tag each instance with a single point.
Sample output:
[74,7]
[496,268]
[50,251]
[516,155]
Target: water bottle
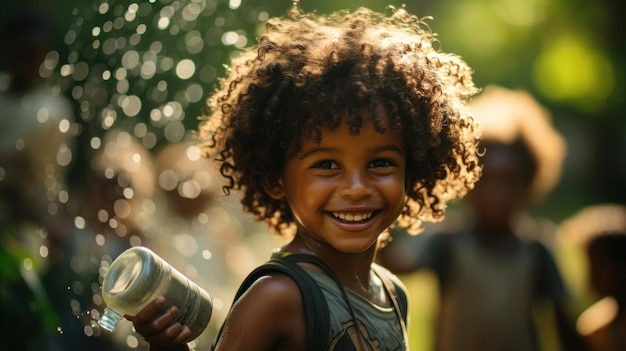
[138,276]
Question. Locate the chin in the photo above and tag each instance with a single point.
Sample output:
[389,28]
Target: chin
[355,246]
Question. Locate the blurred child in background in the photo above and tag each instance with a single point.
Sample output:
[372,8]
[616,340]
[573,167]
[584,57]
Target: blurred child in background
[36,148]
[601,230]
[493,266]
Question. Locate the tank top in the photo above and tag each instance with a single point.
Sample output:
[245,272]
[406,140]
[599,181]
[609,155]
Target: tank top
[379,327]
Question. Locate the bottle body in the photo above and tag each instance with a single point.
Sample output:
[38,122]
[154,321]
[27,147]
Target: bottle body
[138,276]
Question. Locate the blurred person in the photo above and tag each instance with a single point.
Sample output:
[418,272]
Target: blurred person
[202,233]
[120,189]
[600,230]
[493,265]
[36,146]
[35,140]
[112,209]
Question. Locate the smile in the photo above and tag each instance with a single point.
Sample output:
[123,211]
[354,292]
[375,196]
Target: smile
[352,217]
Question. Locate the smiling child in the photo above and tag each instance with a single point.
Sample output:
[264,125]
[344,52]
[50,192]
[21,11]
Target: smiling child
[332,129]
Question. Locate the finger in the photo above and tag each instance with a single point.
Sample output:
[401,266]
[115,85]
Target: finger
[184,335]
[150,311]
[174,334]
[155,323]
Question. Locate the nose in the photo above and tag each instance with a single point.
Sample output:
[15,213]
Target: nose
[356,185]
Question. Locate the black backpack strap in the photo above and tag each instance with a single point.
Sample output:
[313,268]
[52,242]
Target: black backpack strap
[395,292]
[317,316]
[397,295]
[402,300]
[318,262]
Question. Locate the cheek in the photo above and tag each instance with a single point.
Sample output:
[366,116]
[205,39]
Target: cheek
[304,193]
[394,190]
[308,186]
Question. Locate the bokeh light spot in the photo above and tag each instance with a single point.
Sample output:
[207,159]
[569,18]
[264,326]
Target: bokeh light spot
[185,69]
[230,38]
[132,341]
[103,8]
[174,131]
[131,105]
[194,93]
[79,222]
[234,4]
[570,70]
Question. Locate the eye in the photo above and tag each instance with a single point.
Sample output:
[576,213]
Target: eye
[326,165]
[381,163]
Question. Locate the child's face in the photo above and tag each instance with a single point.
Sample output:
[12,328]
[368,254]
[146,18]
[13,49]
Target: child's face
[502,189]
[601,272]
[348,189]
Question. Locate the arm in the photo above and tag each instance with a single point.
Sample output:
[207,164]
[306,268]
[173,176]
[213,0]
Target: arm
[269,316]
[551,284]
[407,254]
[570,339]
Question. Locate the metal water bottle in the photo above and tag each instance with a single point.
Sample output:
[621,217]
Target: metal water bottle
[138,276]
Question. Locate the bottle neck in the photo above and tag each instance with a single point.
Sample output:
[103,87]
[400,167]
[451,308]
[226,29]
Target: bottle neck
[109,319]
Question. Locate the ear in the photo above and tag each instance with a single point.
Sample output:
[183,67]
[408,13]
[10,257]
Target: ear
[275,189]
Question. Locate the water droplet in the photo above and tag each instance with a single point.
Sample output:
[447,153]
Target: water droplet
[43,251]
[206,254]
[27,263]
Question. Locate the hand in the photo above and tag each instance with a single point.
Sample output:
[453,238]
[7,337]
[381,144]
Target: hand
[157,324]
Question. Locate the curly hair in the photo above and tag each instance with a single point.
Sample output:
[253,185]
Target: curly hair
[515,118]
[311,72]
[592,221]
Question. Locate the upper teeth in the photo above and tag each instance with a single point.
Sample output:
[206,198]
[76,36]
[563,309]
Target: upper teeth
[352,216]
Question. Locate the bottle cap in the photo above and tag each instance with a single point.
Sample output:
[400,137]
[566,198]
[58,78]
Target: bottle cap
[109,319]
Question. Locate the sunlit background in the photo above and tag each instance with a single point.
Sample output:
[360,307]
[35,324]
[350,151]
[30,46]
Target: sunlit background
[141,70]
[147,66]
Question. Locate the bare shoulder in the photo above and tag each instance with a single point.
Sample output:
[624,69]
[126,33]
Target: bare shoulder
[268,316]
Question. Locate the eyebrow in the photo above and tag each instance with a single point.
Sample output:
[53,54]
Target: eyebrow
[320,149]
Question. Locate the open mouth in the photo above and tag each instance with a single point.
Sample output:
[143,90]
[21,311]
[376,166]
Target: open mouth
[352,217]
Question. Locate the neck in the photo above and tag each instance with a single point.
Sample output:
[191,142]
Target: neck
[353,269]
